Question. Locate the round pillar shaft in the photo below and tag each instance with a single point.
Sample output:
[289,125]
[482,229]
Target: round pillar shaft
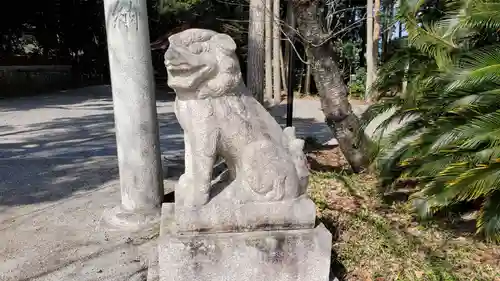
[134,102]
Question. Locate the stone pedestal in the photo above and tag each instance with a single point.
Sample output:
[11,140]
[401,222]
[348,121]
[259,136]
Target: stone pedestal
[273,255]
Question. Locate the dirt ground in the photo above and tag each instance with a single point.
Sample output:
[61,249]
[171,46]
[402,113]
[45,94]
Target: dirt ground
[378,238]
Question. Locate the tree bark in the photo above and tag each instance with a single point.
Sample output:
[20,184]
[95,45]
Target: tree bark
[307,85]
[301,77]
[332,90]
[385,30]
[369,48]
[283,73]
[376,36]
[255,60]
[268,97]
[288,48]
[276,53]
[389,29]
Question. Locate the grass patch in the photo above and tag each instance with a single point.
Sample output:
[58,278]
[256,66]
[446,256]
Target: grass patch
[383,241]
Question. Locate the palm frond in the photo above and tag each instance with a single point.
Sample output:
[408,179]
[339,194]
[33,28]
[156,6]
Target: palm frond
[489,217]
[481,66]
[447,136]
[483,14]
[485,128]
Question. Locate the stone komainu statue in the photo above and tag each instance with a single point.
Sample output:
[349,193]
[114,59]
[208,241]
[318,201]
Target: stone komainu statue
[220,118]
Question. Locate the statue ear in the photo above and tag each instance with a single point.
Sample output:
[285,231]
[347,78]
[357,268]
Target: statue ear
[224,42]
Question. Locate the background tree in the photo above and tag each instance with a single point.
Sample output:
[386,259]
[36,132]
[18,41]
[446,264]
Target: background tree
[276,53]
[256,49]
[376,38]
[370,57]
[329,79]
[268,96]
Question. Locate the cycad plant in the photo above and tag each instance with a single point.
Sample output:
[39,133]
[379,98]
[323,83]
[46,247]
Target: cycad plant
[450,141]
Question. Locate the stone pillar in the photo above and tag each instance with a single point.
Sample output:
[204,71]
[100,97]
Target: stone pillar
[136,123]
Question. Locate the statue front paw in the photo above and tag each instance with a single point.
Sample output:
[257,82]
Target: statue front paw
[193,194]
[197,200]
[183,181]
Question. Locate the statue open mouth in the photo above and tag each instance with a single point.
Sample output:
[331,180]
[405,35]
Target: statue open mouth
[182,68]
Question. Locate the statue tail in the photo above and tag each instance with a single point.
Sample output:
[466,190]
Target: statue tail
[296,149]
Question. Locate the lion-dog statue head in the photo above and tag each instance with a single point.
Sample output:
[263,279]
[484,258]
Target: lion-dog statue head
[202,62]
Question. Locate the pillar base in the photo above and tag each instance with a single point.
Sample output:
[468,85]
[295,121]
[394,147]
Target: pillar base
[121,219]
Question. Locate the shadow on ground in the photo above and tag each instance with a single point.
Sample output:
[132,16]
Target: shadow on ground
[338,272]
[305,127]
[449,219]
[72,97]
[57,99]
[85,136]
[67,155]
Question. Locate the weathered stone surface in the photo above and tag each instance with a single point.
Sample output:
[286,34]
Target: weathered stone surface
[136,220]
[220,118]
[135,114]
[250,256]
[285,255]
[229,217]
[254,221]
[153,265]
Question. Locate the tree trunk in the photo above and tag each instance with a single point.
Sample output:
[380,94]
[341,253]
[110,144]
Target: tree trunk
[307,85]
[369,48]
[301,77]
[392,28]
[385,30]
[405,78]
[288,48]
[276,53]
[331,87]
[283,73]
[255,60]
[376,36]
[268,97]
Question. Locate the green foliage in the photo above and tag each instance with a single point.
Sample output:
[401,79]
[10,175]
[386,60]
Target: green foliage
[357,83]
[451,144]
[348,52]
[174,6]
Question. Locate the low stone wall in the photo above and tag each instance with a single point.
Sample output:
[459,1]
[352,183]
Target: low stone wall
[28,80]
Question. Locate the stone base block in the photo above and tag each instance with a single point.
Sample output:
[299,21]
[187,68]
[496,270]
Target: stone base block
[229,217]
[298,255]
